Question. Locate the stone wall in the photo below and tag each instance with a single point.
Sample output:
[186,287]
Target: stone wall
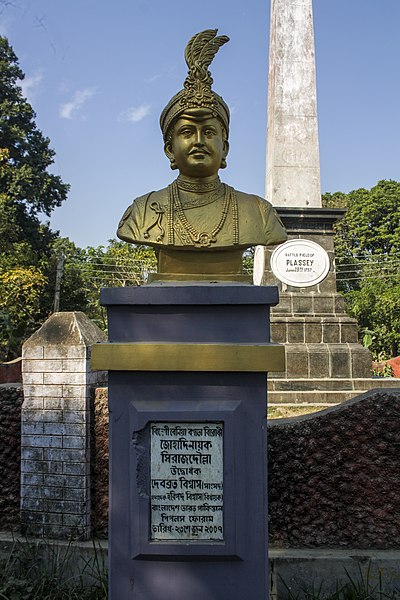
[334,476]
[99,464]
[10,454]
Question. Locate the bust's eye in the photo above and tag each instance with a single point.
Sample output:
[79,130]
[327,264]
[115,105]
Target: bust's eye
[209,132]
[186,132]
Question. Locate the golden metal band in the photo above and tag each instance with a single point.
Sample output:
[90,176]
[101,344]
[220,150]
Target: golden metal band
[144,356]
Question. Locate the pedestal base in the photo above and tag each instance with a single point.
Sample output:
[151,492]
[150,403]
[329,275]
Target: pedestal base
[188,500]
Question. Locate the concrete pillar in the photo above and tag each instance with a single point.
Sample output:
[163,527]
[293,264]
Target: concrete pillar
[55,422]
[293,171]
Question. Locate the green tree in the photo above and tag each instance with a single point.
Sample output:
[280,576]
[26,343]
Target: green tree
[117,265]
[27,190]
[86,271]
[21,290]
[367,248]
[127,264]
[27,153]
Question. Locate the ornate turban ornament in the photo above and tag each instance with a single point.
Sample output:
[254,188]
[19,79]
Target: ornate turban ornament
[197,92]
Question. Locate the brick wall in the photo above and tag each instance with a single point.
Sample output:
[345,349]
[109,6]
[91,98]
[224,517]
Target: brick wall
[55,422]
[10,454]
[11,398]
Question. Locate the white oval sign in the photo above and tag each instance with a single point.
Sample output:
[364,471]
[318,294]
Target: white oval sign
[300,263]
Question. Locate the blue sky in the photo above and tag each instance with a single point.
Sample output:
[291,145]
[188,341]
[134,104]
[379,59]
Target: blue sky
[99,73]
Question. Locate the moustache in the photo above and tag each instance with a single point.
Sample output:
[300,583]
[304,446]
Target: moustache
[199,150]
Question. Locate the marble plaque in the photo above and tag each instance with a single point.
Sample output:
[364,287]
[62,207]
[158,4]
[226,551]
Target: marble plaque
[186,480]
[300,263]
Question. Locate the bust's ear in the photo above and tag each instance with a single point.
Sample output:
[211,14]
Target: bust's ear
[169,154]
[225,151]
[225,148]
[168,150]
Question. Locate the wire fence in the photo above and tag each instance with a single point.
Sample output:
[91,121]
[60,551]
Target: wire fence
[108,273]
[135,272]
[377,267]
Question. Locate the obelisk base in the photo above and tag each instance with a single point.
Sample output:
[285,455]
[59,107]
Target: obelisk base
[324,359]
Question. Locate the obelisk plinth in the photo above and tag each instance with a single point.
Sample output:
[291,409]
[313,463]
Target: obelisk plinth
[293,171]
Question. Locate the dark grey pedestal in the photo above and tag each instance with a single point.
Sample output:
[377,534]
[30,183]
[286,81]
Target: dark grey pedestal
[231,563]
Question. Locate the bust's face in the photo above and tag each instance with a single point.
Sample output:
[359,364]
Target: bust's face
[197,146]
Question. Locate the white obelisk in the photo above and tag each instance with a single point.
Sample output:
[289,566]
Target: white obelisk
[293,171]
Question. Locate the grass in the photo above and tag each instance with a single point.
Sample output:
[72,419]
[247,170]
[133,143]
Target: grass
[38,570]
[363,587]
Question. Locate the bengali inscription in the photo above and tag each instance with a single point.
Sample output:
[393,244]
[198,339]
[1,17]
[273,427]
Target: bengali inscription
[186,480]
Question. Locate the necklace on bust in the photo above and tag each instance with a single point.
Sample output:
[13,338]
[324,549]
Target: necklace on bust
[190,236]
[198,186]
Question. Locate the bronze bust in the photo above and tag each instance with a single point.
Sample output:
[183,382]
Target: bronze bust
[198,225]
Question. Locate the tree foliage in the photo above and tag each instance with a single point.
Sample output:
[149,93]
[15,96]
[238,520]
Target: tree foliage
[21,291]
[367,249]
[117,265]
[86,271]
[27,191]
[26,153]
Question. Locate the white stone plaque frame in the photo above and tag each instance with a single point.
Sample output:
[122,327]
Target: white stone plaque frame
[300,263]
[186,481]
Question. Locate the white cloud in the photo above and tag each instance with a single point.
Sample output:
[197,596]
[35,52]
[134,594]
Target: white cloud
[68,110]
[153,78]
[30,84]
[135,114]
[166,72]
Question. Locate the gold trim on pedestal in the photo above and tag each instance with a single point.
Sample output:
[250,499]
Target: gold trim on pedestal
[156,356]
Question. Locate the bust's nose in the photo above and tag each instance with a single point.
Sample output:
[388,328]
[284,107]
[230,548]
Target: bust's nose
[199,139]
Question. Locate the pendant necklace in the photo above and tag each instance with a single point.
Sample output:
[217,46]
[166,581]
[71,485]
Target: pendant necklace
[176,218]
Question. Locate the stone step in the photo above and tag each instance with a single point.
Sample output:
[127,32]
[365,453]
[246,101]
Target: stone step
[300,329]
[314,361]
[309,303]
[314,397]
[328,395]
[331,384]
[316,405]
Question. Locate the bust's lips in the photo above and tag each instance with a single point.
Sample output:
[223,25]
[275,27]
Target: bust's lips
[198,153]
